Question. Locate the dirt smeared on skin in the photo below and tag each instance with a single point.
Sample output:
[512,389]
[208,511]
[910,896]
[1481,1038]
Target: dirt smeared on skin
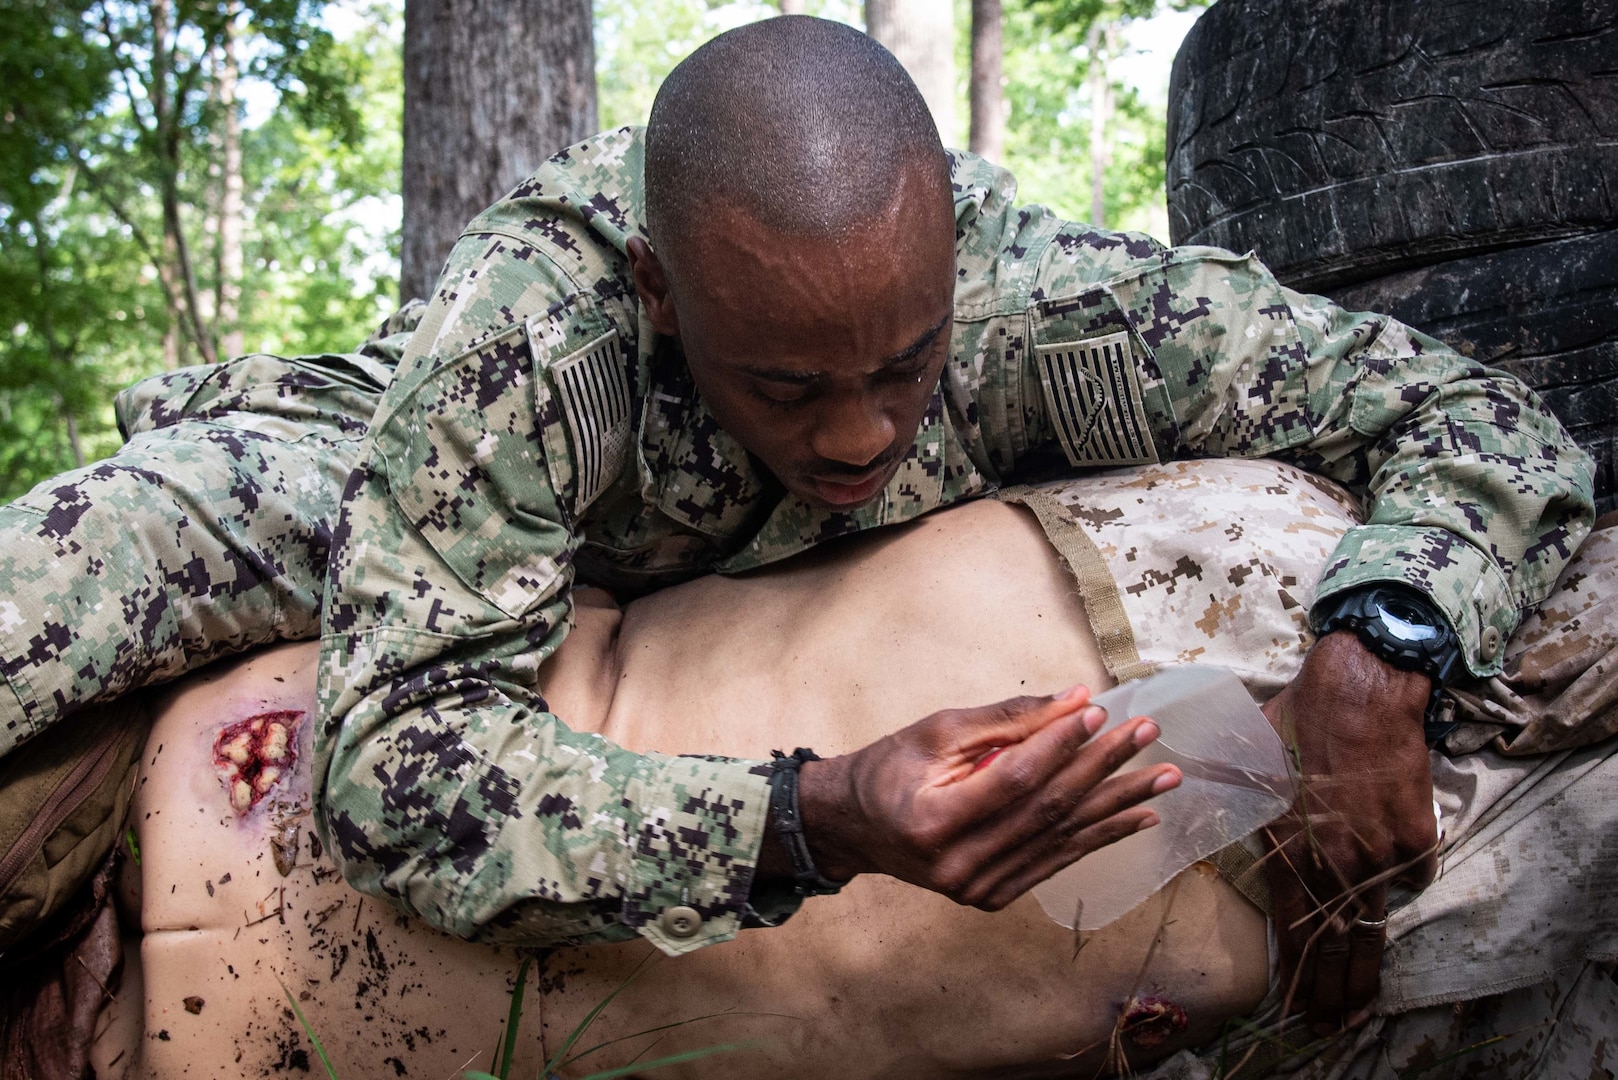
[256,753]
[1152,1021]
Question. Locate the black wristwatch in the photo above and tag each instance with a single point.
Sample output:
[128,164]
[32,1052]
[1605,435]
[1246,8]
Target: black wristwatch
[1407,630]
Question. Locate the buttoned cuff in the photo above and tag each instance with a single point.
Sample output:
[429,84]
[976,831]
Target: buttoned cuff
[1466,585]
[696,850]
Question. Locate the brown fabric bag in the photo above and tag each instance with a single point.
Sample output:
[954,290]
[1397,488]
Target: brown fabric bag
[63,798]
[53,986]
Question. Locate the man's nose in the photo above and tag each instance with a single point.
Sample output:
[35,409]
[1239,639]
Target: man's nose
[853,429]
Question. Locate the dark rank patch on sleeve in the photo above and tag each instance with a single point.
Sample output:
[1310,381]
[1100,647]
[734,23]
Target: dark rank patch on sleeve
[1093,393]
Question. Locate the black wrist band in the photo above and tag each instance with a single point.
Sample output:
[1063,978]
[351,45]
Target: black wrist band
[789,823]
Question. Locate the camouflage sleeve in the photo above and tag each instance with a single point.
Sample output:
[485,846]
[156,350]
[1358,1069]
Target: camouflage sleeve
[204,535]
[1475,495]
[448,785]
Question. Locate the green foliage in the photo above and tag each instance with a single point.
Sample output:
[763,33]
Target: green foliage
[1046,70]
[322,251]
[103,116]
[638,43]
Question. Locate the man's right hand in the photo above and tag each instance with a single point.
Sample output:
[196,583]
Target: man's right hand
[916,806]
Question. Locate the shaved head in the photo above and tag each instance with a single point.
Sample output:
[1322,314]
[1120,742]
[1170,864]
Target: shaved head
[805,125]
[803,220]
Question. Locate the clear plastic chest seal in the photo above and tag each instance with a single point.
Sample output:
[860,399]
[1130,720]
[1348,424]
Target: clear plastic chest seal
[1236,781]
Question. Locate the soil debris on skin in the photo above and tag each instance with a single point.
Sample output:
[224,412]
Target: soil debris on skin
[193,1004]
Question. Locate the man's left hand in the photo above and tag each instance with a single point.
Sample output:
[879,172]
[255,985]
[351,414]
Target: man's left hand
[1363,818]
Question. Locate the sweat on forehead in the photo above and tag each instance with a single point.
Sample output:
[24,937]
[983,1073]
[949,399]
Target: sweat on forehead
[803,124]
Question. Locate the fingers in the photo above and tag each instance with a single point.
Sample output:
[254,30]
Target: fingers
[1367,937]
[1051,856]
[1080,791]
[1329,916]
[1293,905]
[1348,945]
[1080,810]
[1111,812]
[1047,731]
[1014,720]
[1059,762]
[981,804]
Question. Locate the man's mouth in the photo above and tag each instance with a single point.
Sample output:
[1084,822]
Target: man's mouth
[847,492]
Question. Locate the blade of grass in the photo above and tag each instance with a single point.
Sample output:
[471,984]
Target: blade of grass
[508,1051]
[584,1025]
[671,1059]
[582,1054]
[307,1030]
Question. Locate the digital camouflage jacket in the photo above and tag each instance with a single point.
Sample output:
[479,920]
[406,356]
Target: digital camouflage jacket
[538,433]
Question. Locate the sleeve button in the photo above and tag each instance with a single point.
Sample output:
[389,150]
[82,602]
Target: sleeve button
[681,922]
[1489,646]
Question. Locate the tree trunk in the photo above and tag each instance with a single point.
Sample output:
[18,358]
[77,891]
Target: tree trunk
[228,291]
[492,88]
[921,33]
[1103,41]
[988,136]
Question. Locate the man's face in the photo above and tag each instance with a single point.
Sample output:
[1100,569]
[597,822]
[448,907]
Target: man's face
[820,355]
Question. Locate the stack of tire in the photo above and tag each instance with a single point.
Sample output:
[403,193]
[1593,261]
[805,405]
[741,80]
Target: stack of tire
[1453,163]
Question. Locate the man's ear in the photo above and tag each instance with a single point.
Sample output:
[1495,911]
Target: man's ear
[652,286]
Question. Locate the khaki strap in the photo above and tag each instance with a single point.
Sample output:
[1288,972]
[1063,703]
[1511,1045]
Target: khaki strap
[1243,870]
[1108,619]
[1110,623]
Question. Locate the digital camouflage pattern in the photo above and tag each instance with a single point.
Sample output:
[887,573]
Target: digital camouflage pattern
[1211,562]
[206,534]
[1559,688]
[539,434]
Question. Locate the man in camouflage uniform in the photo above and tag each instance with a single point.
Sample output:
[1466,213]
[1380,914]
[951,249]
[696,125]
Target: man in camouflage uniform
[787,370]
[842,337]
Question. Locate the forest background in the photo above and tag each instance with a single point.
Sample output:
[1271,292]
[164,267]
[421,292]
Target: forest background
[183,181]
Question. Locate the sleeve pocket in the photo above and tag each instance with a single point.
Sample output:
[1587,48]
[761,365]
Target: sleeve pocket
[465,464]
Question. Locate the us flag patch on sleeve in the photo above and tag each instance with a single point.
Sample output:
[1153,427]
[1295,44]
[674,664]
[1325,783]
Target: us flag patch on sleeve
[593,389]
[1093,393]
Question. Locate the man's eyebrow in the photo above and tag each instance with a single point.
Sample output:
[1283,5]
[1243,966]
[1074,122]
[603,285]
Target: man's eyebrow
[909,352]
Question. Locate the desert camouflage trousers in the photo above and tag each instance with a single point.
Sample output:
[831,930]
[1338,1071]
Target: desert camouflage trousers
[1505,966]
[206,534]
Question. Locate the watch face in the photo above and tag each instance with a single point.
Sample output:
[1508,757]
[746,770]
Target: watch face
[1405,621]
